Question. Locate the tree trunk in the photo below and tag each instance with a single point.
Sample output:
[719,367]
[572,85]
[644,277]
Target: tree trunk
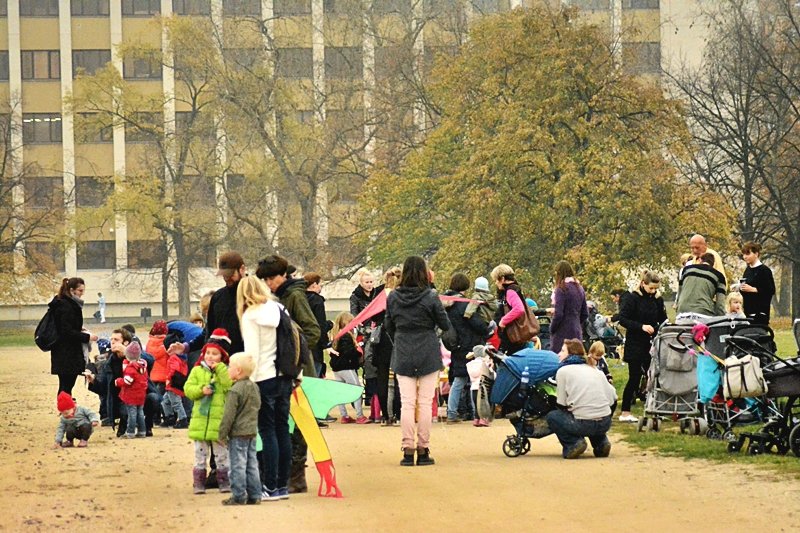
[182,264]
[165,289]
[795,292]
[784,296]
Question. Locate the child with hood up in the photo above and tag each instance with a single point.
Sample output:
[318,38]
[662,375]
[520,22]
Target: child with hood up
[133,390]
[207,386]
[155,347]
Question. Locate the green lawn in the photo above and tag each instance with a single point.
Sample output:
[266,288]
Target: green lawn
[669,440]
[16,337]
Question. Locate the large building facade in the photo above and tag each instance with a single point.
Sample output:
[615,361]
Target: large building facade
[46,44]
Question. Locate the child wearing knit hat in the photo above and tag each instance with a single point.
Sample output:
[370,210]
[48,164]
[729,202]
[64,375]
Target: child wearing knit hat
[133,390]
[76,422]
[207,385]
[485,303]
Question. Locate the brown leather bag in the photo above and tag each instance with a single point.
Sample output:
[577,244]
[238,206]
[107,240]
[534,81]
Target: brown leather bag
[524,328]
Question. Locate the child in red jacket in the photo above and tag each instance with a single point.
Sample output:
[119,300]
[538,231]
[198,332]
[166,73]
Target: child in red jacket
[172,404]
[133,389]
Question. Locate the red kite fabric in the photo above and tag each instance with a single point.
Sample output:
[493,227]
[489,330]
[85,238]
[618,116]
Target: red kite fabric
[378,305]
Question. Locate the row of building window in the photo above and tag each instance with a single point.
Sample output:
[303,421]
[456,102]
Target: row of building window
[143,8]
[102,255]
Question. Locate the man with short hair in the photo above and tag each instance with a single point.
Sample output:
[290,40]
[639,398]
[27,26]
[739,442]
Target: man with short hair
[699,247]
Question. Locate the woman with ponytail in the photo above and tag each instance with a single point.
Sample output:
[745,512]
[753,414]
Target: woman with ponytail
[66,357]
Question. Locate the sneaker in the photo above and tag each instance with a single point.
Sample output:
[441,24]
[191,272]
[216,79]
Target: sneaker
[576,451]
[130,435]
[476,423]
[283,493]
[329,419]
[347,420]
[233,501]
[453,421]
[483,423]
[322,424]
[183,423]
[82,444]
[630,419]
[385,423]
[363,420]
[603,450]
[142,435]
[269,495]
[253,501]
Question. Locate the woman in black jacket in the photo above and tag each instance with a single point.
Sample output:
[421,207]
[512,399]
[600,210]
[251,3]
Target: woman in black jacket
[469,332]
[641,314]
[413,311]
[66,357]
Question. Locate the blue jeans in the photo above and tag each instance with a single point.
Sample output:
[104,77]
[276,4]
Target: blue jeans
[458,387]
[570,431]
[245,479]
[135,419]
[273,426]
[172,404]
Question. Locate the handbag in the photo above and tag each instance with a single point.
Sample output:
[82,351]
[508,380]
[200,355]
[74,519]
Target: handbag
[743,377]
[523,328]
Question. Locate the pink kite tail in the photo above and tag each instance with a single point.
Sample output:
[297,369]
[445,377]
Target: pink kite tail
[327,478]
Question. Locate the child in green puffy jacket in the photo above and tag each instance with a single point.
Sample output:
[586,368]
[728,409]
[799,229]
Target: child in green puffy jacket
[207,385]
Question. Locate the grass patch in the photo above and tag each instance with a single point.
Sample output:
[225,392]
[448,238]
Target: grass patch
[16,337]
[671,442]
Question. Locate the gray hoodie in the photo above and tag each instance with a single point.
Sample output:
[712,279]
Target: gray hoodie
[412,314]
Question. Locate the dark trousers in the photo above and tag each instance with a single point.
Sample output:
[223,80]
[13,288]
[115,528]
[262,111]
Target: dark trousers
[82,432]
[273,426]
[382,389]
[66,382]
[570,430]
[636,370]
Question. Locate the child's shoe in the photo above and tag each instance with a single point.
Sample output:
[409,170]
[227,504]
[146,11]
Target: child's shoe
[223,480]
[283,493]
[476,423]
[363,420]
[142,435]
[347,420]
[408,457]
[199,478]
[183,423]
[483,423]
[424,457]
[270,495]
[253,501]
[82,444]
[167,422]
[130,435]
[234,501]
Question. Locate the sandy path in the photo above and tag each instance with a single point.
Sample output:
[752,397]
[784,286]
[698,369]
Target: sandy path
[473,486]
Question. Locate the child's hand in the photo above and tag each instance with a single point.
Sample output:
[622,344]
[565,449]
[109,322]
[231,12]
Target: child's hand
[95,423]
[57,446]
[333,352]
[208,391]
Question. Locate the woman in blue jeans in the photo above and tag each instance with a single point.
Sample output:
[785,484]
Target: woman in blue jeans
[585,402]
[259,316]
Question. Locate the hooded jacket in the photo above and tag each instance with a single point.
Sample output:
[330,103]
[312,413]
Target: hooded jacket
[155,347]
[569,315]
[206,427]
[359,299]
[469,331]
[222,314]
[133,383]
[66,356]
[412,314]
[292,294]
[348,358]
[637,309]
[176,364]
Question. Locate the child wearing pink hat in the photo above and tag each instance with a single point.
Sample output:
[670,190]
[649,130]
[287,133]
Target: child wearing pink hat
[133,390]
[75,422]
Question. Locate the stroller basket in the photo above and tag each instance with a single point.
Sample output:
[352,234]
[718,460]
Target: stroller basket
[783,378]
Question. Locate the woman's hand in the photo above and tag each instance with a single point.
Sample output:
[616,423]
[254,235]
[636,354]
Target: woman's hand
[648,329]
[93,337]
[744,287]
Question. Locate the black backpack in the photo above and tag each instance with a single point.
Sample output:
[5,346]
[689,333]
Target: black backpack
[292,346]
[46,334]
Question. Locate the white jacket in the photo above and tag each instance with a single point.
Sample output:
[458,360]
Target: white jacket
[258,326]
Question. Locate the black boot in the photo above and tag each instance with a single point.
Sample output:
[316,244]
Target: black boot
[408,457]
[167,421]
[424,457]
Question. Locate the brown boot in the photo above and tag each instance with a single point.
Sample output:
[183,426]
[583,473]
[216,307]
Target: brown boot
[424,457]
[199,475]
[297,479]
[408,457]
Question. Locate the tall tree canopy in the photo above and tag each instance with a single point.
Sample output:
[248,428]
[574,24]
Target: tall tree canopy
[545,149]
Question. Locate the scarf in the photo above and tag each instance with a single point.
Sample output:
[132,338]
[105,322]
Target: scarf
[573,360]
[78,301]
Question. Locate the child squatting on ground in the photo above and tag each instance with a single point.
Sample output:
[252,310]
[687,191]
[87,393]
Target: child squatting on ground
[207,386]
[238,430]
[133,390]
[75,423]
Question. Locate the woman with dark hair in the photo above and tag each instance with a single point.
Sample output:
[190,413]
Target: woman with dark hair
[641,314]
[412,313]
[512,305]
[66,357]
[469,332]
[569,310]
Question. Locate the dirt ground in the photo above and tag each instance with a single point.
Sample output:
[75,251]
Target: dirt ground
[120,485]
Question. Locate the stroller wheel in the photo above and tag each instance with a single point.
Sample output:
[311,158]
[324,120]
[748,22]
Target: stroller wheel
[729,436]
[654,424]
[734,447]
[526,445]
[794,440]
[754,448]
[713,433]
[512,446]
[684,425]
[642,423]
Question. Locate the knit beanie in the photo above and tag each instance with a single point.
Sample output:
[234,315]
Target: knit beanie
[220,340]
[133,351]
[482,284]
[159,328]
[64,401]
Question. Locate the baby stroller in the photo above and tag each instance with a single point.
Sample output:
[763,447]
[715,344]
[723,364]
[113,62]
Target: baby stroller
[781,432]
[722,414]
[597,328]
[672,381]
[525,391]
[544,328]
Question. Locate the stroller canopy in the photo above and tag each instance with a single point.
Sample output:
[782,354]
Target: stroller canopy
[542,364]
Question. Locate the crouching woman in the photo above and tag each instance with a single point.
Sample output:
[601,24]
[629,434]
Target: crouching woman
[585,403]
